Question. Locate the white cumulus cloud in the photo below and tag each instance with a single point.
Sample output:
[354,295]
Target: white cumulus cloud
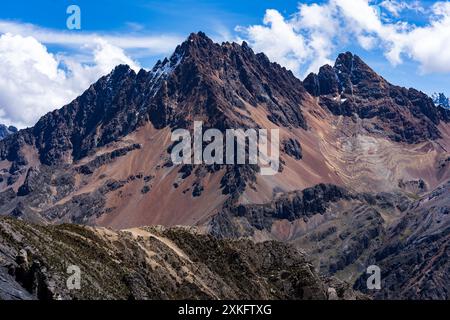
[153,44]
[318,31]
[34,81]
[396,7]
[278,39]
[428,45]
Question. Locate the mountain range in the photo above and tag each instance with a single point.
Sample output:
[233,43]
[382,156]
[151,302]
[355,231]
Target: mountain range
[364,178]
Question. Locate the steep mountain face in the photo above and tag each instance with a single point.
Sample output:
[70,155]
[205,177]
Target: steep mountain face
[127,114]
[359,159]
[353,88]
[216,82]
[222,85]
[153,263]
[6,131]
[202,79]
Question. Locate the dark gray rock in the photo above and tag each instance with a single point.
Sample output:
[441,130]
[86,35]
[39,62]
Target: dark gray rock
[293,148]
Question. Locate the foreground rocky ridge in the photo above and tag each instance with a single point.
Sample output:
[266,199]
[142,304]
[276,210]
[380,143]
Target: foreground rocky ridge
[153,263]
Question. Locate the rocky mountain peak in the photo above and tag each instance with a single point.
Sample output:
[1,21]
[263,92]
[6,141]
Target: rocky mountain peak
[347,63]
[194,46]
[201,80]
[348,72]
[440,99]
[199,38]
[351,63]
[215,82]
[351,88]
[351,70]
[6,131]
[121,70]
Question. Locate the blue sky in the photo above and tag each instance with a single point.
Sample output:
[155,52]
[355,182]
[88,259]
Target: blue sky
[157,16]
[139,32]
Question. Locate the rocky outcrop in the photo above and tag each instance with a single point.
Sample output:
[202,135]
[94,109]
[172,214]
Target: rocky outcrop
[293,148]
[352,88]
[415,186]
[236,179]
[325,82]
[106,158]
[12,150]
[153,263]
[45,185]
[290,206]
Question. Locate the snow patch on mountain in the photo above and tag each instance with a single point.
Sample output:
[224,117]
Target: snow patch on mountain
[441,99]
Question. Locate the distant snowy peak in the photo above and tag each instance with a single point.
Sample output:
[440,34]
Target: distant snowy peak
[441,100]
[6,131]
